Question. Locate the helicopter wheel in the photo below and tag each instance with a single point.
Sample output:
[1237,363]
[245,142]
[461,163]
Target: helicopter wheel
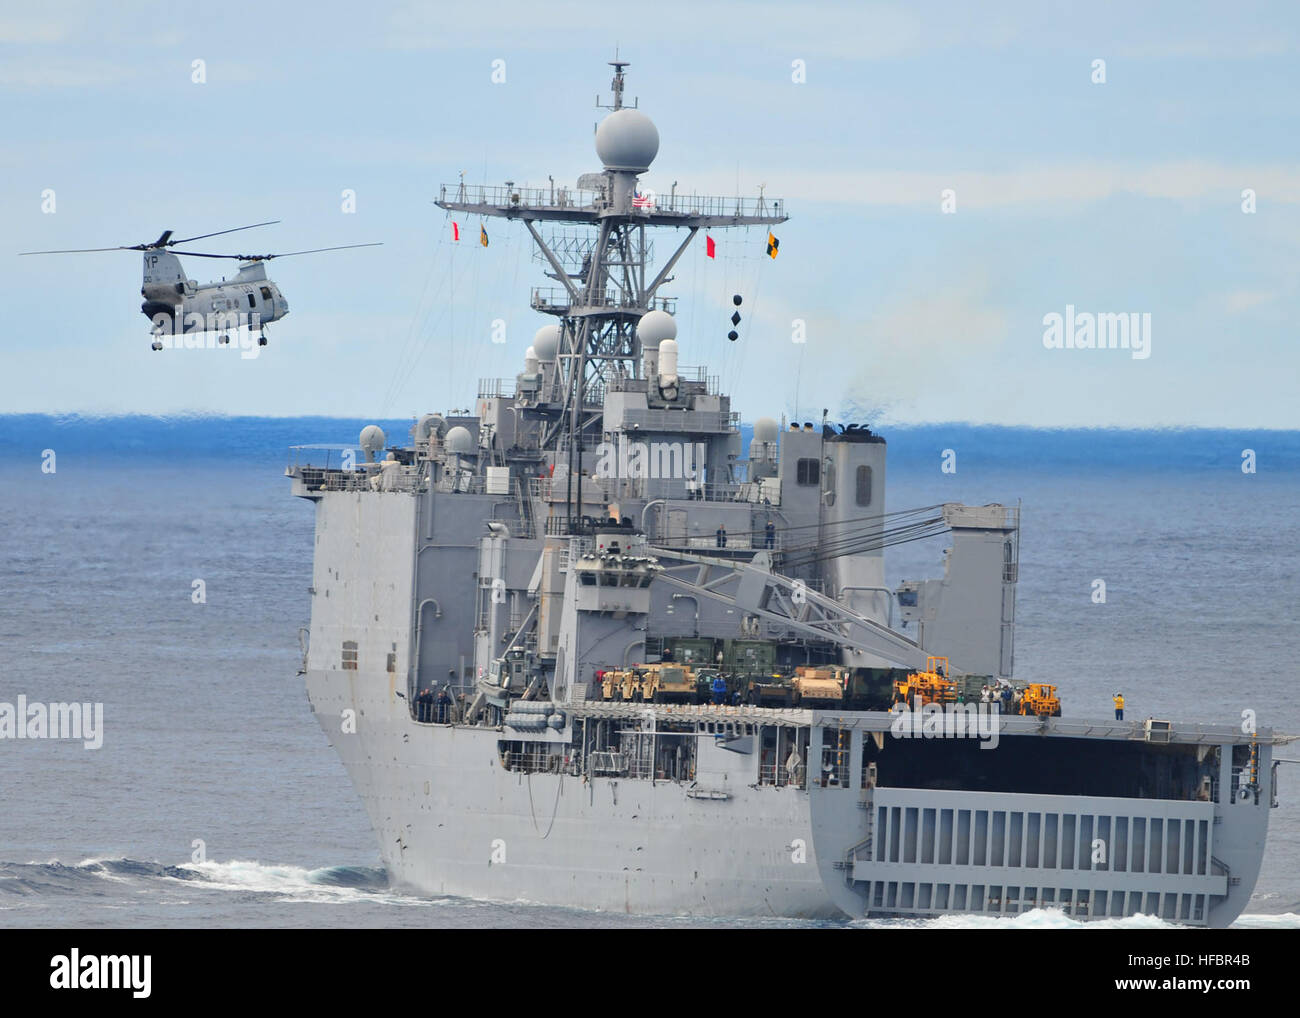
[261,340]
[155,345]
[223,340]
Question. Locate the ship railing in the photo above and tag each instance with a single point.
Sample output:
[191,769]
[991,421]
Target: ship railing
[335,467]
[534,758]
[682,421]
[556,489]
[717,205]
[608,764]
[403,479]
[461,484]
[435,713]
[560,525]
[1182,731]
[779,775]
[519,197]
[557,300]
[834,775]
[576,198]
[325,455]
[694,374]
[495,387]
[639,769]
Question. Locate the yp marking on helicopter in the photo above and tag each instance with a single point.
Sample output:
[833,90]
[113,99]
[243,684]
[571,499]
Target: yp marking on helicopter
[245,303]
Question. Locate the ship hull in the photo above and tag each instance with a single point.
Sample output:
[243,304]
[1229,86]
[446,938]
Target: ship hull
[452,820]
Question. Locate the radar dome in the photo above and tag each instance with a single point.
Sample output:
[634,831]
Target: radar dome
[766,430]
[460,441]
[372,440]
[627,140]
[424,427]
[546,342]
[655,327]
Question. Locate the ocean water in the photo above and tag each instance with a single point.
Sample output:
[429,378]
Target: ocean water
[215,799]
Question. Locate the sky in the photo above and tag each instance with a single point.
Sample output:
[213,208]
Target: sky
[1162,181]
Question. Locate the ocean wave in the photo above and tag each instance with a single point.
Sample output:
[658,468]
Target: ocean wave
[343,885]
[331,883]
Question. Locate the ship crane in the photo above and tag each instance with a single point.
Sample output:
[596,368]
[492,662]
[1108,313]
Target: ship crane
[754,589]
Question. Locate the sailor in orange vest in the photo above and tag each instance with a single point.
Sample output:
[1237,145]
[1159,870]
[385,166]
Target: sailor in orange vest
[1119,706]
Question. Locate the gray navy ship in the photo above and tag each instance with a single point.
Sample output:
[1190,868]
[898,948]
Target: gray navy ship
[574,648]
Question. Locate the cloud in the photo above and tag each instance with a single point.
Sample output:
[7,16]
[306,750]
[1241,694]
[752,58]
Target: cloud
[26,29]
[44,71]
[1243,300]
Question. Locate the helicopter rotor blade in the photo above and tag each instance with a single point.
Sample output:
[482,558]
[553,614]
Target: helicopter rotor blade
[317,250]
[79,250]
[268,257]
[201,236]
[161,242]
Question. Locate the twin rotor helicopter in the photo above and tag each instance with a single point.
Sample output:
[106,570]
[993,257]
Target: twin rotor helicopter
[176,304]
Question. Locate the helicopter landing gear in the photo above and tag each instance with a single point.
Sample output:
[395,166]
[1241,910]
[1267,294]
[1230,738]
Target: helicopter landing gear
[156,345]
[261,338]
[223,339]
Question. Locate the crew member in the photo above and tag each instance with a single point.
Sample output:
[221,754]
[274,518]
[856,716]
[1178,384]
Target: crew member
[444,705]
[793,767]
[424,705]
[769,534]
[1119,706]
[721,536]
[719,690]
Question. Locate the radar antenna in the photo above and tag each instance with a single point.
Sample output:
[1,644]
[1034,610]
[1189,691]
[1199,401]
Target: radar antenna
[600,300]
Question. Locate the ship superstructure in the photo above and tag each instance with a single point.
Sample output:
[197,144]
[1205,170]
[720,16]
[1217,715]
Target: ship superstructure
[577,647]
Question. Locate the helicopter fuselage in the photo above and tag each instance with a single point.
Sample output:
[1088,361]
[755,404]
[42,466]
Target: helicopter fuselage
[177,304]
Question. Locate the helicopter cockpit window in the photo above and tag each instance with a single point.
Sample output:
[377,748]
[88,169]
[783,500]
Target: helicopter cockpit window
[266,293]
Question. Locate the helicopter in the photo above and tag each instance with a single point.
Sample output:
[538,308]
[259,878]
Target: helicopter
[177,305]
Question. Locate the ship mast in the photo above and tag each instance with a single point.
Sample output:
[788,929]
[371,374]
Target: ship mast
[606,281]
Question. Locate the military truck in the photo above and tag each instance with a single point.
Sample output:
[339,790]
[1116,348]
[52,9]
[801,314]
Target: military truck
[819,685]
[768,691]
[669,683]
[623,684]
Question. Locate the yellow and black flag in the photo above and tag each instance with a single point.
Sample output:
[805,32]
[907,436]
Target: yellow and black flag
[772,244]
[482,235]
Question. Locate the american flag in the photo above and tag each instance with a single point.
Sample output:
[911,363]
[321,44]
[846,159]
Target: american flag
[641,201]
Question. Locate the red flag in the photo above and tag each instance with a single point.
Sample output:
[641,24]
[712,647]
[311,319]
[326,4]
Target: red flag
[710,248]
[455,231]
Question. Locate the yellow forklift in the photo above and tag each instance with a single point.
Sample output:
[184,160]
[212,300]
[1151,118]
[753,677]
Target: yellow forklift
[1041,700]
[932,685]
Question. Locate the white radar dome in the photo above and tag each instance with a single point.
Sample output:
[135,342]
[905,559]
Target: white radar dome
[766,430]
[546,342]
[372,440]
[627,140]
[424,428]
[655,327]
[460,441]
